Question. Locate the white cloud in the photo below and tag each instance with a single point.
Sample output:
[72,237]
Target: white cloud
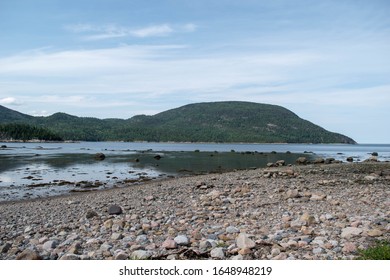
[152,31]
[9,101]
[101,32]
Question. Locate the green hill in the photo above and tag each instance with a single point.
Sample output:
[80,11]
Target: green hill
[201,122]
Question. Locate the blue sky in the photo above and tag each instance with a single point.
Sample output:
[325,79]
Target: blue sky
[327,61]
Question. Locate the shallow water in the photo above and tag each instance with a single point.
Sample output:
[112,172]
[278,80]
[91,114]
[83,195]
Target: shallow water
[29,170]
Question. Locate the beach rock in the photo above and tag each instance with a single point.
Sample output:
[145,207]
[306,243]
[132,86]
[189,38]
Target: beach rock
[50,245]
[141,255]
[350,159]
[243,241]
[292,194]
[319,161]
[121,256]
[28,255]
[4,248]
[349,232]
[349,247]
[317,197]
[70,257]
[374,233]
[169,244]
[90,214]
[217,253]
[308,219]
[301,160]
[182,240]
[116,236]
[231,229]
[114,210]
[318,250]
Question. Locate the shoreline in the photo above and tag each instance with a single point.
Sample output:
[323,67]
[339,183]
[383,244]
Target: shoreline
[297,212]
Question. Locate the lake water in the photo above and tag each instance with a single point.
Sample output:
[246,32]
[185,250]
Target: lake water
[29,170]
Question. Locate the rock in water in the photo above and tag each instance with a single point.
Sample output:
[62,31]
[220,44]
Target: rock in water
[114,210]
[100,156]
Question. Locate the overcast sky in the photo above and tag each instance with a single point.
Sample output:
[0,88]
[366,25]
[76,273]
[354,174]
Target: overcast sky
[327,61]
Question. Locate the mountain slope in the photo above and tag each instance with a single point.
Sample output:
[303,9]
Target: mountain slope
[233,122]
[201,122]
[8,115]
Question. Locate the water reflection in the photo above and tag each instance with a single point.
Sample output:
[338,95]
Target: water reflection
[31,175]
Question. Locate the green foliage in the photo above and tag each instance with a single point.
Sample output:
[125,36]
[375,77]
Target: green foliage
[202,122]
[381,251]
[15,131]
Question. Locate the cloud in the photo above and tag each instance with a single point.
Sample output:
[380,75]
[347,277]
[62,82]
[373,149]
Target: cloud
[152,31]
[101,32]
[9,101]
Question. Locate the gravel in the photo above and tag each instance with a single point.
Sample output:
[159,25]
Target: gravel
[324,211]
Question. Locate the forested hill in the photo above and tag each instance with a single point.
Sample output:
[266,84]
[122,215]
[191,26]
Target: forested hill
[201,122]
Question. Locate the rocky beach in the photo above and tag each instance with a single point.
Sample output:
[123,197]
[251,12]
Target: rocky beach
[321,211]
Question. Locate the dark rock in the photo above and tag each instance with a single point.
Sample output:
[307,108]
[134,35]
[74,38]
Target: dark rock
[90,214]
[350,159]
[4,146]
[157,157]
[5,248]
[100,156]
[329,160]
[114,210]
[374,154]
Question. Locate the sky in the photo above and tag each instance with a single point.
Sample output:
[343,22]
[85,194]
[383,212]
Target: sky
[327,61]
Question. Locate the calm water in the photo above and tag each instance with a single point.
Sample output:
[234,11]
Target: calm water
[29,170]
